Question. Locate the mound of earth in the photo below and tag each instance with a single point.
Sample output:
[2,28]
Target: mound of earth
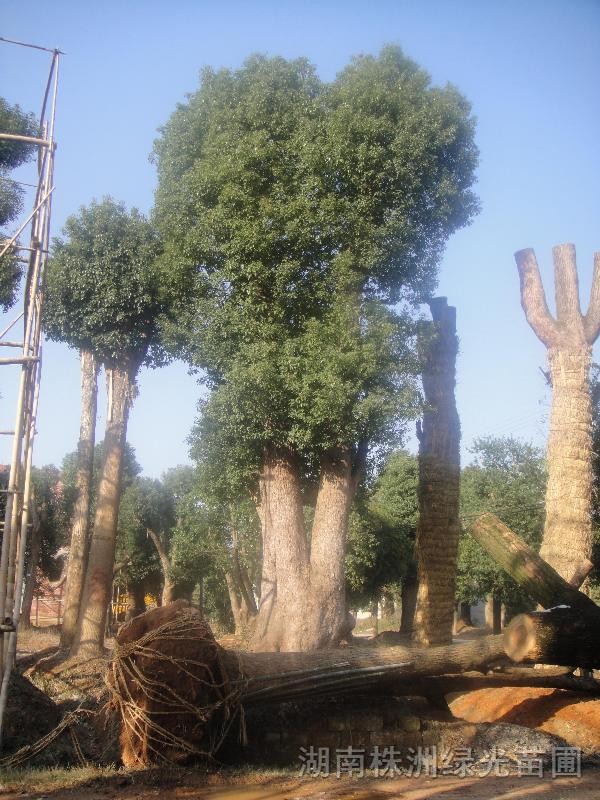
[31,714]
[571,716]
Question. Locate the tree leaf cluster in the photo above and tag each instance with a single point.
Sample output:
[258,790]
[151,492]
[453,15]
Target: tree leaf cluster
[103,289]
[12,154]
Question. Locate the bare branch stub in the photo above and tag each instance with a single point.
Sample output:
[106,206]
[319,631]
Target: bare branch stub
[533,299]
[591,321]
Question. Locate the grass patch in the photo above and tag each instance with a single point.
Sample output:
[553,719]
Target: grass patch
[45,780]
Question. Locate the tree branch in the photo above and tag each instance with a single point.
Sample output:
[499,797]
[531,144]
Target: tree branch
[591,321]
[533,298]
[566,286]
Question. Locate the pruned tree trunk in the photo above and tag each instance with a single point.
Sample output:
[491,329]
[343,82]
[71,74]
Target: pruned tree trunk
[99,574]
[439,481]
[561,635]
[568,338]
[78,550]
[35,546]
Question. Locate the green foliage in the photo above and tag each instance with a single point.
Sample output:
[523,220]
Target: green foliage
[145,504]
[507,478]
[12,154]
[48,499]
[381,532]
[68,471]
[103,286]
[294,212]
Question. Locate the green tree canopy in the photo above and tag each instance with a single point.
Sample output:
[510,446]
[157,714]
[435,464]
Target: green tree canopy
[294,212]
[508,478]
[103,288]
[12,154]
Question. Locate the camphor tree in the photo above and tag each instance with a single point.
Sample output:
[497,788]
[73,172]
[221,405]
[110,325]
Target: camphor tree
[105,298]
[12,154]
[568,337]
[305,218]
[507,477]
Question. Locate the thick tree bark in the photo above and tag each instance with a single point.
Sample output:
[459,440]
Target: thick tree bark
[78,550]
[439,482]
[99,574]
[302,605]
[328,549]
[165,565]
[282,620]
[560,635]
[569,339]
[35,545]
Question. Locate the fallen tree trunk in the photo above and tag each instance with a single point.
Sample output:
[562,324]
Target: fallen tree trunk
[526,567]
[179,692]
[556,636]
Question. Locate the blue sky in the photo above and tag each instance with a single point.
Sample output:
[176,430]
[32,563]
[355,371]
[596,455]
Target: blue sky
[530,69]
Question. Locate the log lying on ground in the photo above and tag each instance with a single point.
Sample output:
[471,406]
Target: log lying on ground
[555,636]
[179,692]
[526,567]
[568,632]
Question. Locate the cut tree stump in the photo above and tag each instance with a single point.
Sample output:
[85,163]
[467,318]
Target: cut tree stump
[556,636]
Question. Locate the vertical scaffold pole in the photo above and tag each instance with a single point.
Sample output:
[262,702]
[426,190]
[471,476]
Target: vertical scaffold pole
[18,492]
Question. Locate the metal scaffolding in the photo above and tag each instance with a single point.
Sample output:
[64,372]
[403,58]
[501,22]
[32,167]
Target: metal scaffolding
[26,353]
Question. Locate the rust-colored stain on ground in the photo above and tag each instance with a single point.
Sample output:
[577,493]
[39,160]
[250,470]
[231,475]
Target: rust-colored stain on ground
[573,717]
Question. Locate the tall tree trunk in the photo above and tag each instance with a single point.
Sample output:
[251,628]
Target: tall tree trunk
[408,595]
[569,338]
[165,565]
[35,546]
[302,604]
[439,482]
[282,621]
[78,550]
[328,550]
[99,574]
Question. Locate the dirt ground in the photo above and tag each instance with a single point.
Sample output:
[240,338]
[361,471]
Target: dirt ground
[575,719]
[193,786]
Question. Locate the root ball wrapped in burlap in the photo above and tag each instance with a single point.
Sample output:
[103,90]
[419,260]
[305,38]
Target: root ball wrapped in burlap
[168,681]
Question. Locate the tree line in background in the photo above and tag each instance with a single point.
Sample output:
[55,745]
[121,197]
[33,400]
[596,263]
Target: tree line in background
[175,539]
[298,225]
